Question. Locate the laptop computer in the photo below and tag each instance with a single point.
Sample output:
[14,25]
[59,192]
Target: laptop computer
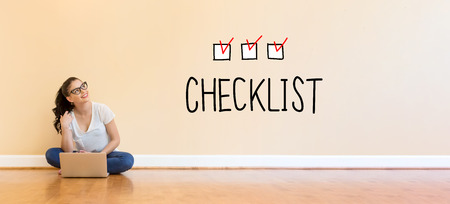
[83,164]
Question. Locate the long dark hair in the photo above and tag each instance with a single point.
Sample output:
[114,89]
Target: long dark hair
[62,104]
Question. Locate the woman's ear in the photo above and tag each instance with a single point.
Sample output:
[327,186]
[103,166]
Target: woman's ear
[69,99]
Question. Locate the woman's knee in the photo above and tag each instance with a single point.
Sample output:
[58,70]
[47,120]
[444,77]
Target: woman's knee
[128,160]
[52,156]
[119,162]
[53,151]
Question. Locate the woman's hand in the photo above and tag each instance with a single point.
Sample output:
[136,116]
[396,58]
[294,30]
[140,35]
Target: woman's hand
[65,120]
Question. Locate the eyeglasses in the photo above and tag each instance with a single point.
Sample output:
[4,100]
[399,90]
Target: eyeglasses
[77,91]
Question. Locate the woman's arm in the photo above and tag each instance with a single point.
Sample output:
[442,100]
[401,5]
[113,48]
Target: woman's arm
[66,138]
[113,133]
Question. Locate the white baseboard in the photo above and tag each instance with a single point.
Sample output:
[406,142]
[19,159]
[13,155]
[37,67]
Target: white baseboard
[23,161]
[267,161]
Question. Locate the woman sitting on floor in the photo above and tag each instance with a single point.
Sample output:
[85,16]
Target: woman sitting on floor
[91,125]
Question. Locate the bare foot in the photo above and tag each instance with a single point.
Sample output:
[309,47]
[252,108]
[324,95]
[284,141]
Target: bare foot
[59,172]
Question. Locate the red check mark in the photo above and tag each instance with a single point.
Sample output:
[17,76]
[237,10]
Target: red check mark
[221,47]
[250,48]
[277,49]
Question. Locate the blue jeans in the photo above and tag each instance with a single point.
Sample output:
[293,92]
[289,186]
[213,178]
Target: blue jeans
[117,162]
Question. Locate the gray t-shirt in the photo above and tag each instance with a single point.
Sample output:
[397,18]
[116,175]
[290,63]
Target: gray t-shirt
[95,138]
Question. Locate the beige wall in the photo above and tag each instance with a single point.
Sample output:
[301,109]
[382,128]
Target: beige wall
[385,66]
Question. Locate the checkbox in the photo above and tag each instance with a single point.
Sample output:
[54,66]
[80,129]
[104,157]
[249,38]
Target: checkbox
[273,53]
[219,55]
[249,51]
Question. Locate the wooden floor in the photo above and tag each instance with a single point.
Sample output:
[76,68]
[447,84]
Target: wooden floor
[229,186]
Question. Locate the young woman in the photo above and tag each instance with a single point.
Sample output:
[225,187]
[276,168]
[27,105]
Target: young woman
[89,124]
